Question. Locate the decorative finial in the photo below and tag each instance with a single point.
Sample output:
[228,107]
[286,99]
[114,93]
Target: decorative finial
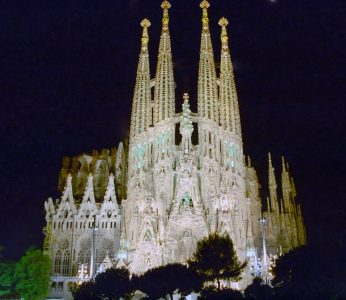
[205,20]
[165,20]
[165,5]
[186,97]
[204,4]
[223,22]
[145,23]
[145,37]
[224,37]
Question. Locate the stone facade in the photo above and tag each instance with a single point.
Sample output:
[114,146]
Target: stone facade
[148,202]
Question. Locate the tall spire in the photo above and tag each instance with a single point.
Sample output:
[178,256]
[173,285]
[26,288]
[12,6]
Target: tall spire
[164,87]
[230,117]
[286,186]
[142,95]
[207,86]
[273,197]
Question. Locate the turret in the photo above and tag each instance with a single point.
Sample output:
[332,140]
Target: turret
[229,110]
[140,116]
[164,99]
[207,85]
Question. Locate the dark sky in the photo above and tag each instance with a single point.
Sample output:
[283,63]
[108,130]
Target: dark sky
[67,72]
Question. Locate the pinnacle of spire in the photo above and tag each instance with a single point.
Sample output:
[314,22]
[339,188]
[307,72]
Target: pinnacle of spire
[164,100]
[207,85]
[165,20]
[272,185]
[229,110]
[145,36]
[205,19]
[68,191]
[293,188]
[110,192]
[249,161]
[142,95]
[110,199]
[89,190]
[186,122]
[224,37]
[283,164]
[270,160]
[90,181]
[186,127]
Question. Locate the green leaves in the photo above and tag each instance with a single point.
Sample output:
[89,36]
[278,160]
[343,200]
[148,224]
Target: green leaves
[7,272]
[32,275]
[168,279]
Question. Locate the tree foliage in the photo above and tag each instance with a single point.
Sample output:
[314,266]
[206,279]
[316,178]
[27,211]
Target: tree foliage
[7,278]
[84,291]
[215,259]
[113,283]
[32,275]
[168,279]
[211,293]
[258,290]
[311,272]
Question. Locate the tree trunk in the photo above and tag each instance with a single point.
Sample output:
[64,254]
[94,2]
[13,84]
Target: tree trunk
[218,283]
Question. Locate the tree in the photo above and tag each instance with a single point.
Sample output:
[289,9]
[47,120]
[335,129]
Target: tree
[258,290]
[215,259]
[210,293]
[311,272]
[32,275]
[7,279]
[112,284]
[84,291]
[168,279]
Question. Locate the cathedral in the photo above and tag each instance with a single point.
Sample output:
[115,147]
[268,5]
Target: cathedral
[147,202]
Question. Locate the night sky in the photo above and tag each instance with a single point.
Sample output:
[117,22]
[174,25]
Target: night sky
[67,74]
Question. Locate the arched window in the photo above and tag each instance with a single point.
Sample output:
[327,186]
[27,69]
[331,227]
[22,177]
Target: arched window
[57,263]
[62,259]
[84,254]
[107,247]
